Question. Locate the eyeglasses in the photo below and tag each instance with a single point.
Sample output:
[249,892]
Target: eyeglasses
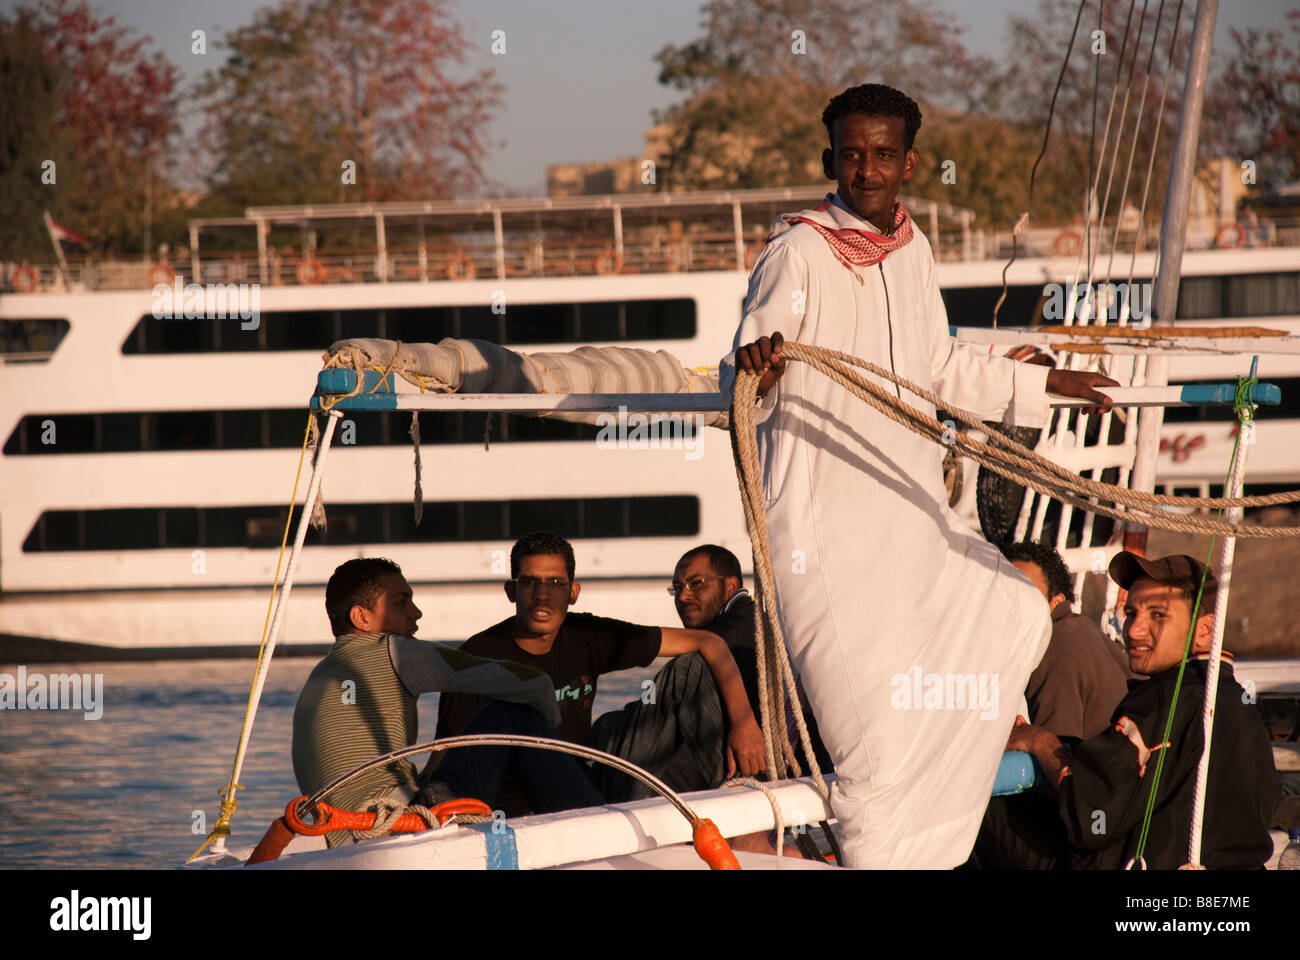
[533,584]
[695,585]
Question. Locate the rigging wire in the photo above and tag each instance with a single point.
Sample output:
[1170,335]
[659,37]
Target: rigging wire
[1033,173]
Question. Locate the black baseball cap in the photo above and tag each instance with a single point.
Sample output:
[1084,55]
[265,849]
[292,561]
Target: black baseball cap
[1178,571]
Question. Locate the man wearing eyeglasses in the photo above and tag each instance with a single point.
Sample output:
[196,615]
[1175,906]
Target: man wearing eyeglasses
[575,649]
[709,592]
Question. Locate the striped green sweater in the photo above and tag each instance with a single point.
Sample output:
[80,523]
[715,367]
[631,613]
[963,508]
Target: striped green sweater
[359,703]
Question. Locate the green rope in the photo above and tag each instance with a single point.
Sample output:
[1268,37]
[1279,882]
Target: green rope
[1245,412]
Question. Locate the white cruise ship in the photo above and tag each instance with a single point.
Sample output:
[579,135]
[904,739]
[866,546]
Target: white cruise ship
[148,461]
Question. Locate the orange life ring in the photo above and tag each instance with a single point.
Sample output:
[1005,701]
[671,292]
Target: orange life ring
[1230,236]
[161,273]
[608,262]
[751,254]
[311,271]
[1068,243]
[461,267]
[25,279]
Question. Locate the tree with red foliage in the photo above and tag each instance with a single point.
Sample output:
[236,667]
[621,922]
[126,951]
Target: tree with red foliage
[308,87]
[116,107]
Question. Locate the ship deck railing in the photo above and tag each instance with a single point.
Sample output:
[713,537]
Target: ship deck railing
[646,233]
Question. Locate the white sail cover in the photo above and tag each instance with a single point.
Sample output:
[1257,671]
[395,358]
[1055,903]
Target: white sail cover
[476,366]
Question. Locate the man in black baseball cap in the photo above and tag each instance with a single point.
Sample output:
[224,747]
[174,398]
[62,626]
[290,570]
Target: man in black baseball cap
[1102,783]
[1158,611]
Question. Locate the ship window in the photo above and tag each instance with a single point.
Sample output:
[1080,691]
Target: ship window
[132,529]
[604,517]
[185,431]
[541,323]
[41,433]
[419,325]
[298,329]
[443,522]
[529,515]
[603,321]
[659,319]
[32,339]
[121,432]
[241,429]
[1239,295]
[973,306]
[181,527]
[483,520]
[285,428]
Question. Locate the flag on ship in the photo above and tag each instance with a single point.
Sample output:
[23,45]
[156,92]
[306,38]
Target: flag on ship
[59,232]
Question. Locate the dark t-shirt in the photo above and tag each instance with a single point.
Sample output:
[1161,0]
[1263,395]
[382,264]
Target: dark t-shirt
[585,647]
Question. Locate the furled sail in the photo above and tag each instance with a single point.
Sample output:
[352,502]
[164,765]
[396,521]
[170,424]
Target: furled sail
[476,366]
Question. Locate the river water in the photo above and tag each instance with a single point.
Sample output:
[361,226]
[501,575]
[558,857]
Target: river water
[138,786]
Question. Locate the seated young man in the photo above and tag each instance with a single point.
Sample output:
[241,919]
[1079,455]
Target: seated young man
[1102,786]
[575,649]
[709,593]
[1082,675]
[360,702]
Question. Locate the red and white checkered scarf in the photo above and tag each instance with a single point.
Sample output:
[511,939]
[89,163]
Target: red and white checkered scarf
[851,245]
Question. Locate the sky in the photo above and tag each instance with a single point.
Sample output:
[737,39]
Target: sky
[580,77]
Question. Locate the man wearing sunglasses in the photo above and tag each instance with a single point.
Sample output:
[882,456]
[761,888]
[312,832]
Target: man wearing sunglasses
[684,737]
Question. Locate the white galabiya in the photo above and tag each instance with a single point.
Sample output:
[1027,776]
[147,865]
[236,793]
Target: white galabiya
[913,635]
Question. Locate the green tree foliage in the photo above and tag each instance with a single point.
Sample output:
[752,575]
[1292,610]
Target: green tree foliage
[29,96]
[759,77]
[308,86]
[1109,99]
[752,114]
[82,92]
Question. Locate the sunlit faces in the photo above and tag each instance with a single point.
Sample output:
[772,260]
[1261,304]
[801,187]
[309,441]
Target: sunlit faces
[701,592]
[394,610]
[542,593]
[870,163]
[1156,617]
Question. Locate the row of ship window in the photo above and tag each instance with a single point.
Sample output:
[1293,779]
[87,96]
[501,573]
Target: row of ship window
[1200,298]
[364,523]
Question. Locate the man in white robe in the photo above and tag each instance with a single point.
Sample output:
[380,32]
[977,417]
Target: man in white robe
[913,635]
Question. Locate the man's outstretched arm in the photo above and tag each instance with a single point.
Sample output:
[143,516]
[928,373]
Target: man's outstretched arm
[424,667]
[745,750]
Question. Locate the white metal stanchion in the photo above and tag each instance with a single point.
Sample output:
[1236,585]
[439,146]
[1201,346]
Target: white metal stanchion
[1236,477]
